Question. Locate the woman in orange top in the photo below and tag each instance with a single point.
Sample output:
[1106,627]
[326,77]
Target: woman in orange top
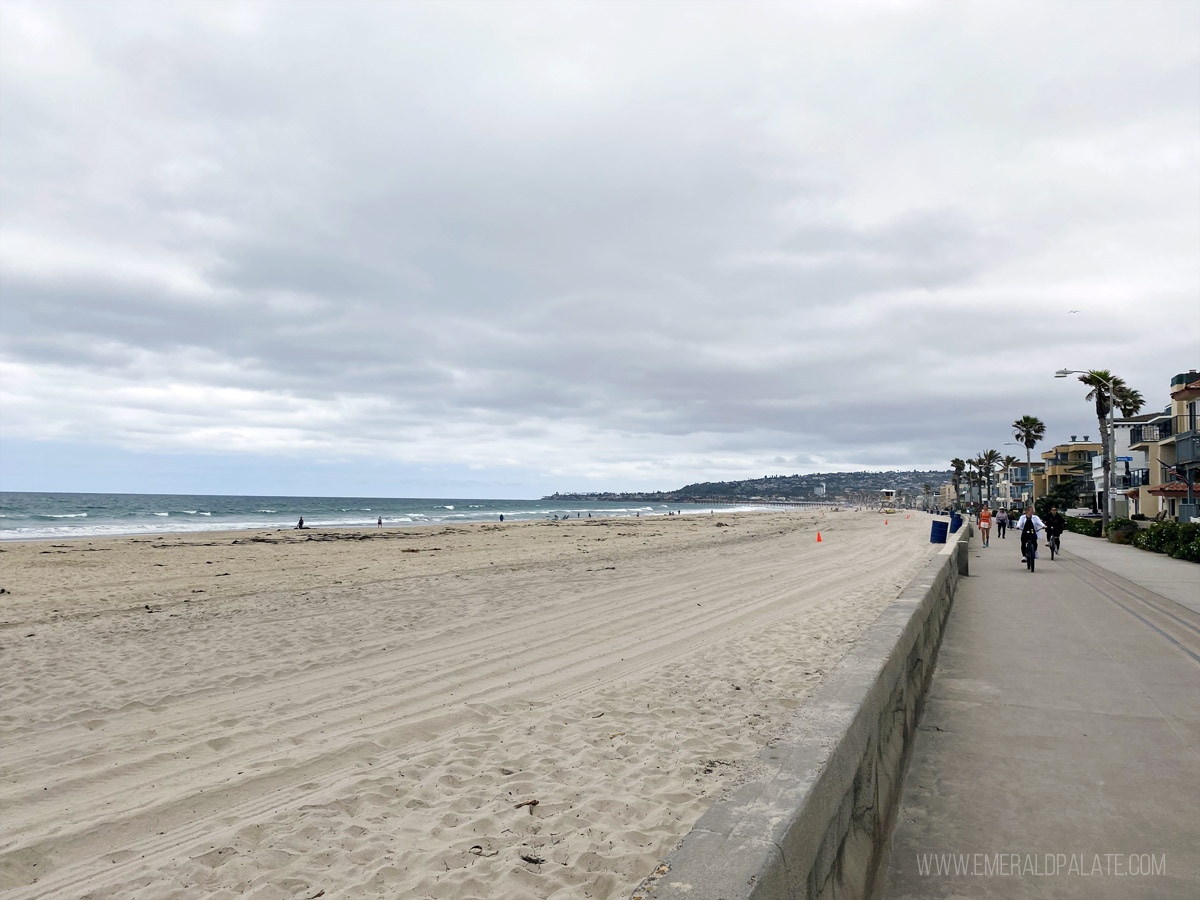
[985,523]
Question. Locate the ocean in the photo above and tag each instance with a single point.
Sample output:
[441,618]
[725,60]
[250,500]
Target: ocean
[29,516]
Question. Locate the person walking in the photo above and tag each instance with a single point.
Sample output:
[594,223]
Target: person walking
[985,523]
[1001,521]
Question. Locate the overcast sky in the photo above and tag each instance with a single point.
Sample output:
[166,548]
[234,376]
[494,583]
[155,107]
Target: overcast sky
[501,249]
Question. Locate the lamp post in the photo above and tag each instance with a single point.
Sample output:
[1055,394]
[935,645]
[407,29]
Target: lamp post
[1109,444]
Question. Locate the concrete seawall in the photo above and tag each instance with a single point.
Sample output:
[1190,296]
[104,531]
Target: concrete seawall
[816,824]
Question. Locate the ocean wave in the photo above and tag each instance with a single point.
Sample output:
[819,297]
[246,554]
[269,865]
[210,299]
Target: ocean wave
[162,514]
[64,516]
[266,510]
[446,507]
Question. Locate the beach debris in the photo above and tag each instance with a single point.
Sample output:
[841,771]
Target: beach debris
[530,858]
[597,715]
[320,893]
[615,734]
[505,771]
[530,803]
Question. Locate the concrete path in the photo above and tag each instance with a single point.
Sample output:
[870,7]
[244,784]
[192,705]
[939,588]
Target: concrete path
[1059,751]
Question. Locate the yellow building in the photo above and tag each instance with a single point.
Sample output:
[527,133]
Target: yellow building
[946,497]
[1069,463]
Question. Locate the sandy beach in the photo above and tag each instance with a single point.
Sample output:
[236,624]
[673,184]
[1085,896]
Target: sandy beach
[533,710]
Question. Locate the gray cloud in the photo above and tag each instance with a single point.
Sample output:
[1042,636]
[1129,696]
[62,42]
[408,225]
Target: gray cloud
[601,243]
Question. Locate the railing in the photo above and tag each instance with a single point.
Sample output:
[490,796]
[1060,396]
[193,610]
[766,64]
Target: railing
[1164,428]
[1139,478]
[1187,448]
[1150,433]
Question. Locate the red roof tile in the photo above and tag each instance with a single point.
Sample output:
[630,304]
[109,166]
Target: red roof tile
[1174,487]
[1189,391]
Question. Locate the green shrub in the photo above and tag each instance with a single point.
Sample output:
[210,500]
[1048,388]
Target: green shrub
[1187,544]
[1171,538]
[1121,531]
[1138,517]
[1090,527]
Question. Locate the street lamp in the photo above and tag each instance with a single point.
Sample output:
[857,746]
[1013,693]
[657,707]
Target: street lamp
[1110,444]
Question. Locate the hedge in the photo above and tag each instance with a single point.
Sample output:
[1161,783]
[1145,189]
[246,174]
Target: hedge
[1121,531]
[1172,538]
[1090,527]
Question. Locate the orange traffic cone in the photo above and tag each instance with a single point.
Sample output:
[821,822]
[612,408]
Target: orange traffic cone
[818,537]
[885,521]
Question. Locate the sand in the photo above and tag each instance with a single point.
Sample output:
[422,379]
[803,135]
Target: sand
[534,710]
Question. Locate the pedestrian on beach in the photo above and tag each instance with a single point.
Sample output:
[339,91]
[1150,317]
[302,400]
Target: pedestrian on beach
[1001,521]
[379,522]
[300,524]
[985,523]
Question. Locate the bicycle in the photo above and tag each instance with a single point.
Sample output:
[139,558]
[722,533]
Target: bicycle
[1029,548]
[1054,544]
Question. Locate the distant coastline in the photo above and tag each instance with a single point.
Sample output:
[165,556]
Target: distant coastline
[818,487]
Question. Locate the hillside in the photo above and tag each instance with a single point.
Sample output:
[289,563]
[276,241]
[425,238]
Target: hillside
[852,486]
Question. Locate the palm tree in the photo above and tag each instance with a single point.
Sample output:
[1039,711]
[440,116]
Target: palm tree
[989,461]
[927,490]
[958,466]
[977,465]
[1028,430]
[1108,391]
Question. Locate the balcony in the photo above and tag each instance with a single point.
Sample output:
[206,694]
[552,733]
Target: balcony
[1073,469]
[1187,449]
[1150,433]
[1139,478]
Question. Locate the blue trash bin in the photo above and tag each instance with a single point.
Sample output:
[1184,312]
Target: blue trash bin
[937,534]
[955,523]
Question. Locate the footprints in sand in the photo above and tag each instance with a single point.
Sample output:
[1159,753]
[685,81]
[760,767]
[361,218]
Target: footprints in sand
[388,739]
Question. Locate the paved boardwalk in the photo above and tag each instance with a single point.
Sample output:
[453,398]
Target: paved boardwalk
[1059,751]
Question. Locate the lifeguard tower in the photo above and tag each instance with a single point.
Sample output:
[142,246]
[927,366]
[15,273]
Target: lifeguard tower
[887,500]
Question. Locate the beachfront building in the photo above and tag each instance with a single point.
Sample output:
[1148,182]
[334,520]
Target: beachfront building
[1171,442]
[1015,487]
[946,498]
[1185,398]
[1071,463]
[1127,462]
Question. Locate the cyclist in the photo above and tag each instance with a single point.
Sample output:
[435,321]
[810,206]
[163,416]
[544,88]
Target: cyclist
[1031,528]
[1055,526]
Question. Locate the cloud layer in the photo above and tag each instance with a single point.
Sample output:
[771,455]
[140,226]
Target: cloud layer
[606,246]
